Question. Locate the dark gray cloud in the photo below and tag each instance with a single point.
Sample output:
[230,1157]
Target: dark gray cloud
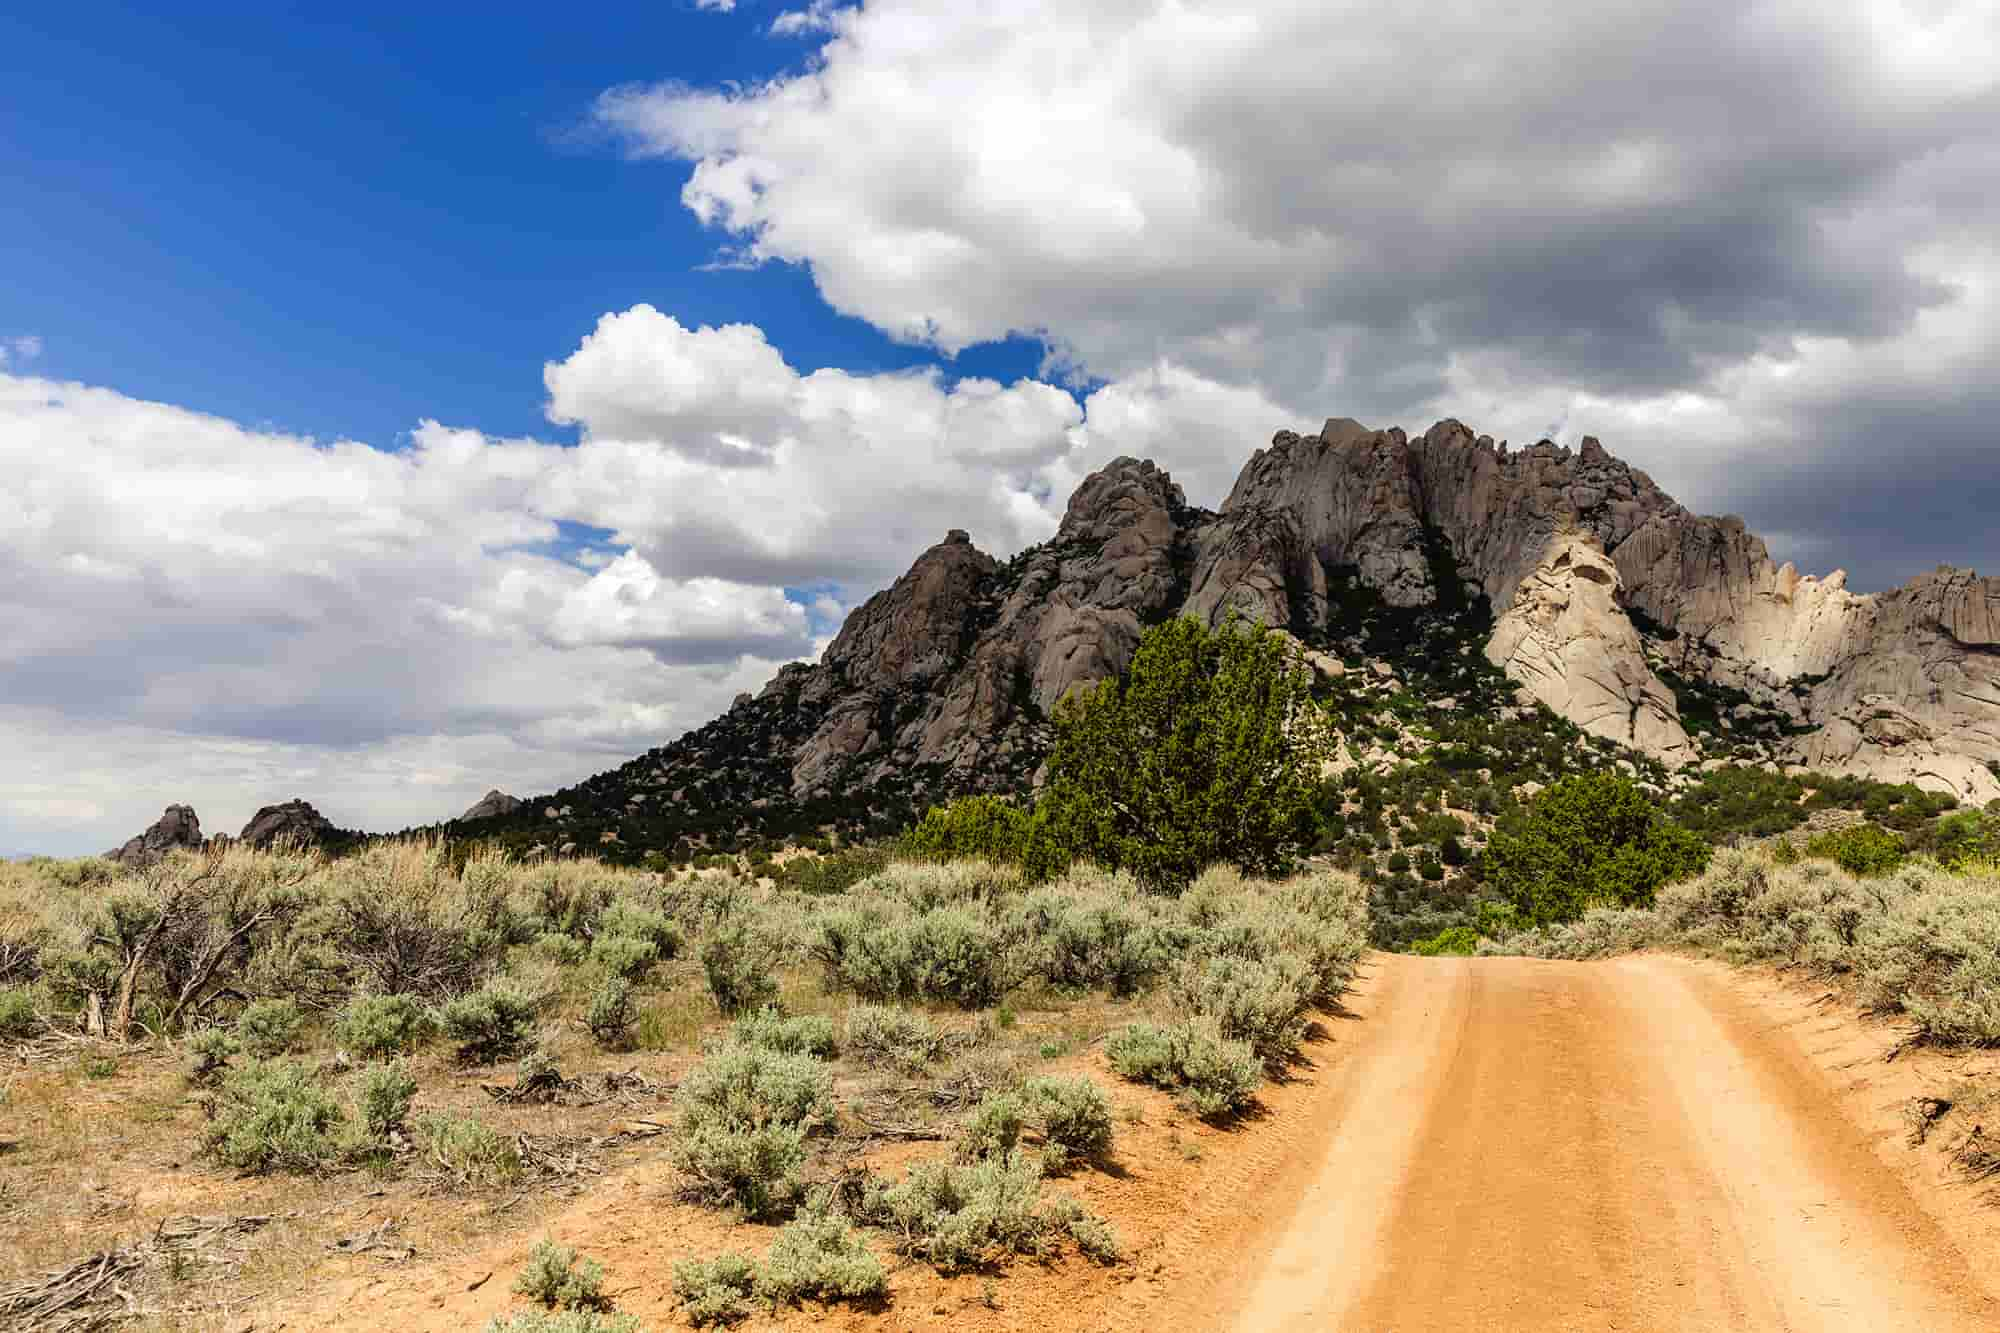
[1585,213]
[1900,479]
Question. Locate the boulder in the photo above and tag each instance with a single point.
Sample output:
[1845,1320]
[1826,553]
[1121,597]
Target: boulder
[294,822]
[495,802]
[177,828]
[1565,639]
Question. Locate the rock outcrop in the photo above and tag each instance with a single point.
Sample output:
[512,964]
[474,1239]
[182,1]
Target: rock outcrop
[1606,600]
[1569,645]
[1912,686]
[294,822]
[177,828]
[493,803]
[1901,686]
[958,664]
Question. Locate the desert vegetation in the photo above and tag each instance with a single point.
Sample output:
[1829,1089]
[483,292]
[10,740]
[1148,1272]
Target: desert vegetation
[910,1052]
[398,1018]
[1907,936]
[1206,751]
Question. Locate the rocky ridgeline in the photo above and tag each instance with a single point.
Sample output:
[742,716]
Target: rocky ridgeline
[1609,603]
[495,802]
[293,823]
[178,828]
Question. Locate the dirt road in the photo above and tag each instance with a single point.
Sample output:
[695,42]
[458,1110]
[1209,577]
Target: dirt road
[1620,1145]
[1649,1143]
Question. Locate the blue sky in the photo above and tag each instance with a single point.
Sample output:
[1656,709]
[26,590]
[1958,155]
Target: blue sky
[976,248]
[337,220]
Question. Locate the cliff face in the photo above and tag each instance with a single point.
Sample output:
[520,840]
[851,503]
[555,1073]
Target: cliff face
[957,665]
[1568,546]
[176,829]
[1610,603]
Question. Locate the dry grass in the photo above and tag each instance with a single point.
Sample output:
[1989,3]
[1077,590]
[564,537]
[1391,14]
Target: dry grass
[104,1134]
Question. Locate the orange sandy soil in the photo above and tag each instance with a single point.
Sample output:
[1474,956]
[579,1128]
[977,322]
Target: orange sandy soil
[1491,1143]
[1394,1147]
[1174,1183]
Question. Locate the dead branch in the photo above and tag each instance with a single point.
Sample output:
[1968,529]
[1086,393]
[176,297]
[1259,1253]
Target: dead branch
[556,1156]
[63,1300]
[209,958]
[376,1241]
[903,1133]
[91,1292]
[549,1087]
[542,1087]
[636,1129]
[1977,1157]
[1923,1114]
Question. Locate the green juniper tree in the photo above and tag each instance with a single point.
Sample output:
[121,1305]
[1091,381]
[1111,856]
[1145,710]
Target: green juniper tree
[1590,840]
[1208,750]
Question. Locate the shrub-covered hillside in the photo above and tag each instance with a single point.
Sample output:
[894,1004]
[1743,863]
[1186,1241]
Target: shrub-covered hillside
[289,1018]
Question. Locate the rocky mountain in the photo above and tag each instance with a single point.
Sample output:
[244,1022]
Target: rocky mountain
[294,822]
[1595,593]
[178,827]
[495,802]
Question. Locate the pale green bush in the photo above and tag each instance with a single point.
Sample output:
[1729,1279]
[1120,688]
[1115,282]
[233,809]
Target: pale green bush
[1258,1000]
[626,916]
[741,964]
[471,1154]
[210,1051]
[699,904]
[563,1321]
[1074,1116]
[740,1122]
[17,1012]
[951,954]
[375,1025]
[1083,940]
[994,1127]
[627,956]
[404,924]
[272,1115]
[383,1094]
[1214,1076]
[818,1254]
[958,957]
[863,950]
[749,1085]
[563,897]
[1862,849]
[805,1034]
[1917,939]
[715,1291]
[1718,898]
[611,1013]
[1216,895]
[1935,954]
[270,1027]
[556,1278]
[925,886]
[490,1024]
[960,1215]
[901,1038]
[1598,933]
[562,950]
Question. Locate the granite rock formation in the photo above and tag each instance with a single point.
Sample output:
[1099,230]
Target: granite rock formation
[294,822]
[1605,597]
[177,828]
[495,802]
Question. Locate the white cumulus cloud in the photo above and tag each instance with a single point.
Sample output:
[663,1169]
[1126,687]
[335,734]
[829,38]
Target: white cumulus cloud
[1662,215]
[237,616]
